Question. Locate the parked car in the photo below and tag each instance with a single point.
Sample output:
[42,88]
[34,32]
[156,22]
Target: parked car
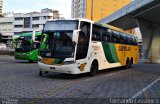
[3,46]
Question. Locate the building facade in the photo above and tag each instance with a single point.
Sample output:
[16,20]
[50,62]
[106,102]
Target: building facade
[99,8]
[1,6]
[23,23]
[6,28]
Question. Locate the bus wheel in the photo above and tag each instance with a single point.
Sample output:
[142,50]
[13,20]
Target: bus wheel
[30,61]
[40,73]
[128,64]
[131,62]
[46,72]
[94,68]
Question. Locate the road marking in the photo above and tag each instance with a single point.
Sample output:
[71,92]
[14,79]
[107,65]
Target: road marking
[145,89]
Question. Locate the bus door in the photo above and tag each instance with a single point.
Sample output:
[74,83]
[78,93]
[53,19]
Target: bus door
[83,43]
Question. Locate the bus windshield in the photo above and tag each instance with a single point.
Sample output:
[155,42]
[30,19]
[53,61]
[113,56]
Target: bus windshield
[58,45]
[24,44]
[58,39]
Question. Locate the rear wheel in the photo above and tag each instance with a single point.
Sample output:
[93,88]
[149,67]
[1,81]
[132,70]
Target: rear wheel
[46,72]
[40,73]
[131,62]
[94,68]
[128,64]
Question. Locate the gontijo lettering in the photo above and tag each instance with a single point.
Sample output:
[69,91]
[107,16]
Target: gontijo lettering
[124,48]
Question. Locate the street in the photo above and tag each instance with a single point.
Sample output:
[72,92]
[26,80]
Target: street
[19,79]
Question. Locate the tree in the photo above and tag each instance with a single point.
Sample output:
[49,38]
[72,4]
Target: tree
[0,37]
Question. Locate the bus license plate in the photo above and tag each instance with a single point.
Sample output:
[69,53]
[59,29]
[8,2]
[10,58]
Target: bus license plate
[52,68]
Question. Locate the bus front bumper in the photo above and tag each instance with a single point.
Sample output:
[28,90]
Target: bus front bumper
[69,69]
[31,55]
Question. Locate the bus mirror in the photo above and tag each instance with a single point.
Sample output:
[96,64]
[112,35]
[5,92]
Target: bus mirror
[75,36]
[33,35]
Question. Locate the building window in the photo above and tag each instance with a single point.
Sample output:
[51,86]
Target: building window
[49,17]
[35,18]
[27,22]
[17,33]
[4,29]
[18,26]
[35,26]
[18,18]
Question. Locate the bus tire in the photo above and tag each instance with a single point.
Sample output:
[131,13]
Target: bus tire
[46,72]
[131,62]
[94,68]
[40,73]
[128,63]
[30,61]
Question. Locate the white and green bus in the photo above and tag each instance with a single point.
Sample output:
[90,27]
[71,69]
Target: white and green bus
[83,46]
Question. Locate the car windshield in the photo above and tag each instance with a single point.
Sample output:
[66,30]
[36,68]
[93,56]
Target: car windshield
[58,44]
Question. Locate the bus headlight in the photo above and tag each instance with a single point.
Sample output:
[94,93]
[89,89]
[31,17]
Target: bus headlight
[68,62]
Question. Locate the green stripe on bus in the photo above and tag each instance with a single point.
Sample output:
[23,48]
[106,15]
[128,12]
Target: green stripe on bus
[110,52]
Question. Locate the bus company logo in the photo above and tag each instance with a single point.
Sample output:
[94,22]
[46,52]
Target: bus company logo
[124,48]
[96,47]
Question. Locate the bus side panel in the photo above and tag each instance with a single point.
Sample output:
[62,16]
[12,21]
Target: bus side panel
[105,54]
[127,51]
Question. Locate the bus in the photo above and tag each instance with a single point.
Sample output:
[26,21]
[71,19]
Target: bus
[78,46]
[27,46]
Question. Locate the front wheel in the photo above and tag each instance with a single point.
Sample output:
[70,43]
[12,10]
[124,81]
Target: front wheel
[30,61]
[94,68]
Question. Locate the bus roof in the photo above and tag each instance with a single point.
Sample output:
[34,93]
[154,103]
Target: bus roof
[113,28]
[78,19]
[30,34]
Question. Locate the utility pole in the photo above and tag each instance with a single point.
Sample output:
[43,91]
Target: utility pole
[92,10]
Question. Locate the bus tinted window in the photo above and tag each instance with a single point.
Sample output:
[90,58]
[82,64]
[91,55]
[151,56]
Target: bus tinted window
[127,39]
[135,41]
[132,41]
[96,33]
[122,38]
[106,35]
[115,37]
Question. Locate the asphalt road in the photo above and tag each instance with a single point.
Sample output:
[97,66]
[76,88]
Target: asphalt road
[19,79]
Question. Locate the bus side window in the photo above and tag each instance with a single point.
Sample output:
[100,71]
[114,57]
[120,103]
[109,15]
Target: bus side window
[135,41]
[96,33]
[106,35]
[115,37]
[122,38]
[127,40]
[132,41]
